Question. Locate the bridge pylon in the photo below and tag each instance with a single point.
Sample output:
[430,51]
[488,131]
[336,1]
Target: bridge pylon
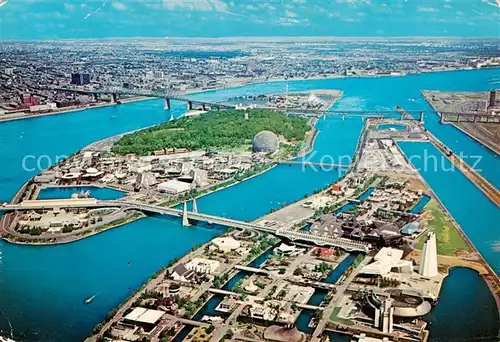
[195,206]
[185,220]
[421,117]
[167,104]
[171,117]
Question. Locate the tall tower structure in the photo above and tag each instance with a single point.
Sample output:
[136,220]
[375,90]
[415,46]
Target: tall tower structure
[384,316]
[428,260]
[185,220]
[195,206]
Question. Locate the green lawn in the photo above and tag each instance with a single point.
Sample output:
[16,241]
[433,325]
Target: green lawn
[448,238]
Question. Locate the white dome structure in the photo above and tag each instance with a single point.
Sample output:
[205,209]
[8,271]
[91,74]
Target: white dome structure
[265,141]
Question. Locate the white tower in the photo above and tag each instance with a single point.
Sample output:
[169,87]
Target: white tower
[195,206]
[185,220]
[428,260]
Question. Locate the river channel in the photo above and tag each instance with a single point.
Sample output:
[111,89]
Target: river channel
[42,289]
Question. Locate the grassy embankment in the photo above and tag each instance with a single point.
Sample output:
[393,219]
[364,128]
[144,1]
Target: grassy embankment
[448,238]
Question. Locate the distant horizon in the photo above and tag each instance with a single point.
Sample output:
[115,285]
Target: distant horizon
[269,38]
[366,19]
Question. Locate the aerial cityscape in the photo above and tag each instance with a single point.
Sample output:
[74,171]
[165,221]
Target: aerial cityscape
[185,181]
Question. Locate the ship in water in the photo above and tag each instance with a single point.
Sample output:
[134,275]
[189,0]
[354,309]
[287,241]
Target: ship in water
[88,300]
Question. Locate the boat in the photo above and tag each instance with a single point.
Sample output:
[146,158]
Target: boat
[90,299]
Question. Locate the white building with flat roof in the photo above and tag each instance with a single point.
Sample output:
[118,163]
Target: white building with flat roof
[388,259]
[143,315]
[173,187]
[202,265]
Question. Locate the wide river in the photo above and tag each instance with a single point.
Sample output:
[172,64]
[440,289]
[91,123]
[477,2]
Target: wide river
[42,289]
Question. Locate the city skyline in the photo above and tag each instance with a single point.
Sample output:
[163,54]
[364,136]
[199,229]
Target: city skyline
[217,18]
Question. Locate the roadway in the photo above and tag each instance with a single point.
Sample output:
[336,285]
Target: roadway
[144,93]
[348,245]
[327,312]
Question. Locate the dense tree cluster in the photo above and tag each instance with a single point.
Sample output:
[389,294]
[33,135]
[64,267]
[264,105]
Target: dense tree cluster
[215,129]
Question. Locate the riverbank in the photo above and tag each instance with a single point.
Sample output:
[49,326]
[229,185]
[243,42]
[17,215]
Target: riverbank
[490,277]
[25,115]
[482,184]
[484,134]
[13,237]
[312,123]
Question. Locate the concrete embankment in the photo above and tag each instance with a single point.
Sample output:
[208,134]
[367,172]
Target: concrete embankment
[486,187]
[490,276]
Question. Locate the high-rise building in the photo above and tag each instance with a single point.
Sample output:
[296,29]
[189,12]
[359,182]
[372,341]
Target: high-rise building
[428,260]
[492,100]
[80,79]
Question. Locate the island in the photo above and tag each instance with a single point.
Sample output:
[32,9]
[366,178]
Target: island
[162,165]
[365,256]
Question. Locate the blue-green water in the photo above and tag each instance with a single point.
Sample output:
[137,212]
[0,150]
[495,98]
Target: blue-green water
[422,202]
[392,127]
[475,213]
[67,192]
[42,288]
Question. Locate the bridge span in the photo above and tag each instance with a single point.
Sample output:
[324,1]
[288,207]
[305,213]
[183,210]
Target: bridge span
[348,245]
[168,96]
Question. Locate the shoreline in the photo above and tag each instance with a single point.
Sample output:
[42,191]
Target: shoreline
[235,84]
[79,238]
[27,116]
[491,286]
[454,124]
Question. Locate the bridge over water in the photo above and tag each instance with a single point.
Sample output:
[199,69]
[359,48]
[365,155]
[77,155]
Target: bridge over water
[186,215]
[168,96]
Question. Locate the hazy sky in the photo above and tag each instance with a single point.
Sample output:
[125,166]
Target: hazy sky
[36,19]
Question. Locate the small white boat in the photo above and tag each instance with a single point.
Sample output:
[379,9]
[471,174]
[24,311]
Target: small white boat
[90,299]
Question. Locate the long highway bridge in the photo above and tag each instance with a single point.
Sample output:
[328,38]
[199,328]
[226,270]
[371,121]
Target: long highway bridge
[186,215]
[168,96]
[205,105]
[412,115]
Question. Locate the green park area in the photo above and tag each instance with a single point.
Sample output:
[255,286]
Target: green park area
[448,238]
[217,130]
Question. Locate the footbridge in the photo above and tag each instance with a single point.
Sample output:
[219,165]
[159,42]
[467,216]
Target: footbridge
[316,284]
[251,269]
[115,94]
[310,306]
